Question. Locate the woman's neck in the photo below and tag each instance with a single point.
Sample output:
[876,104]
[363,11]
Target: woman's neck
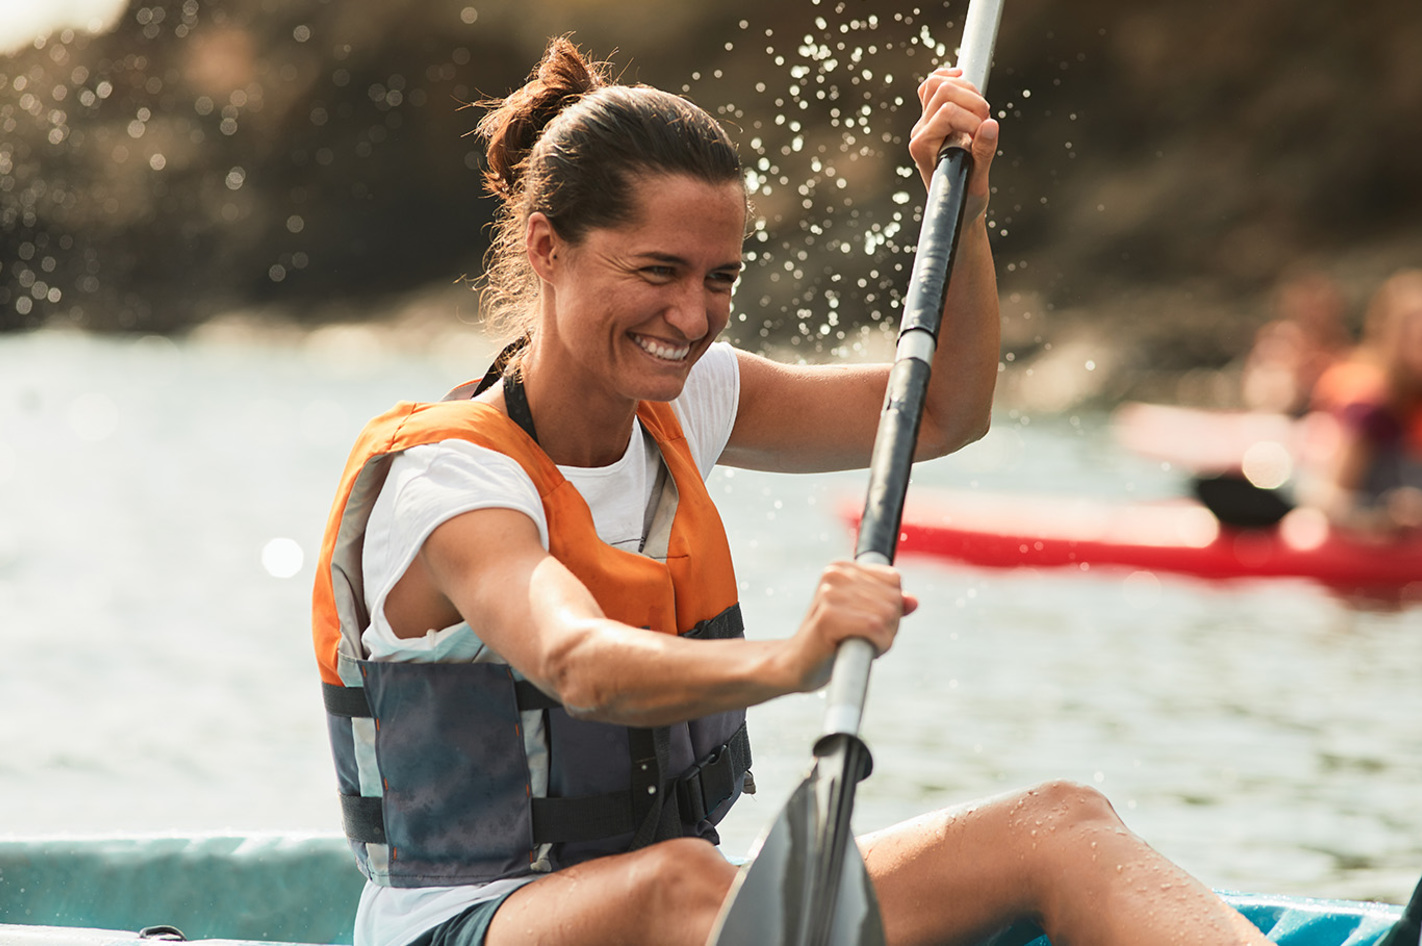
[576,426]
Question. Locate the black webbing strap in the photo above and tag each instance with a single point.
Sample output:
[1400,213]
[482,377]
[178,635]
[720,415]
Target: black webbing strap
[713,780]
[345,701]
[350,702]
[726,625]
[529,697]
[515,400]
[638,810]
[363,818]
[651,756]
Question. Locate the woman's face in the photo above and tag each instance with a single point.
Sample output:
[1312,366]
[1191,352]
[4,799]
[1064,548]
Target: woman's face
[629,309]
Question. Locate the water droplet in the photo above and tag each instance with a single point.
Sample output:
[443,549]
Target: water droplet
[282,557]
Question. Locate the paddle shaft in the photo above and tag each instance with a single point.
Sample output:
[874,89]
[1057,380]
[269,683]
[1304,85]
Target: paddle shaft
[840,751]
[891,461]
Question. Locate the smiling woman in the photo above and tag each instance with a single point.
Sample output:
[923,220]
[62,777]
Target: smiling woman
[529,633]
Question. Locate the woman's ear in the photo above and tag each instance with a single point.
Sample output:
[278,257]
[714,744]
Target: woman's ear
[541,242]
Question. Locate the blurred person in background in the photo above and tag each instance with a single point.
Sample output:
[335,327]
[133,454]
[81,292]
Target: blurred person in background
[1372,482]
[1293,350]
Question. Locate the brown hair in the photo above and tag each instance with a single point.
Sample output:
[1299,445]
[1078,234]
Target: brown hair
[569,144]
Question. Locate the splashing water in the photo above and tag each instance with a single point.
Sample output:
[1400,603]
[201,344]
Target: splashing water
[835,196]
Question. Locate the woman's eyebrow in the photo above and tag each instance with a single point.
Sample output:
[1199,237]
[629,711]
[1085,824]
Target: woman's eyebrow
[673,259]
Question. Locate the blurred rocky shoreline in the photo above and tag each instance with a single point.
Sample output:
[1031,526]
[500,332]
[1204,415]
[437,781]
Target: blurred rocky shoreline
[308,164]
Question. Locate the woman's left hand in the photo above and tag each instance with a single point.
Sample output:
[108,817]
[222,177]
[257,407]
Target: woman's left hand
[953,107]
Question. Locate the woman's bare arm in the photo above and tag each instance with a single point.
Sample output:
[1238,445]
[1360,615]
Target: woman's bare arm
[489,567]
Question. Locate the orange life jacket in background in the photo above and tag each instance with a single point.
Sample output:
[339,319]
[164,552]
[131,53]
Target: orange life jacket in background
[1356,382]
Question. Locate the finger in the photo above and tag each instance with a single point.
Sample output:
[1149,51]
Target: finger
[935,83]
[885,580]
[910,605]
[956,100]
[936,77]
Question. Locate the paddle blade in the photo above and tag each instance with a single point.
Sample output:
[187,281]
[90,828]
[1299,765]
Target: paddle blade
[770,901]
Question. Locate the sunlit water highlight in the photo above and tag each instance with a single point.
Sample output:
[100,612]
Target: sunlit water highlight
[155,497]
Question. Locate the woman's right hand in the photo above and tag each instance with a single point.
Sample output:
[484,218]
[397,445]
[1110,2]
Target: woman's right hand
[851,600]
[954,109]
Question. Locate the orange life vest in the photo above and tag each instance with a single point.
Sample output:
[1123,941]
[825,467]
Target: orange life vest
[429,757]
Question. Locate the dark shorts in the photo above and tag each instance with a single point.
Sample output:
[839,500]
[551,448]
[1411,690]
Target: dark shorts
[466,929]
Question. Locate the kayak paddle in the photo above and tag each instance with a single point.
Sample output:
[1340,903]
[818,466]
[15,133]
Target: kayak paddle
[806,884]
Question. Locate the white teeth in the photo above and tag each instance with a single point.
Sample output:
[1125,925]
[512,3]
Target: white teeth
[665,352]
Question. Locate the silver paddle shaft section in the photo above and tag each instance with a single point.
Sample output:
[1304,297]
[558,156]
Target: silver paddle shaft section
[979,38]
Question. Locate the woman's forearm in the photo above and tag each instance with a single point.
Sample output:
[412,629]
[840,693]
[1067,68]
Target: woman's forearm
[959,405]
[613,673]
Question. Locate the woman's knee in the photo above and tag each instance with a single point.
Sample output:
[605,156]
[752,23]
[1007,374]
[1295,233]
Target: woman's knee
[1061,803]
[685,878]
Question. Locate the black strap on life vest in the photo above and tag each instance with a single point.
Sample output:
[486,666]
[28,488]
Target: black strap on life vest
[515,398]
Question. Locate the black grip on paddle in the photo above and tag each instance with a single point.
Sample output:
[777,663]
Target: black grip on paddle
[937,242]
[892,462]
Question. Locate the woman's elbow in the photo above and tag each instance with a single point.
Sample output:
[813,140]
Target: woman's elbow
[936,440]
[566,674]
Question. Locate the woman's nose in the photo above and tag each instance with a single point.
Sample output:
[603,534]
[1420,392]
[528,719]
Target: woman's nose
[687,313]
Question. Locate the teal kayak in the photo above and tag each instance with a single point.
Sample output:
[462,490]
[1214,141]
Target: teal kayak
[303,889]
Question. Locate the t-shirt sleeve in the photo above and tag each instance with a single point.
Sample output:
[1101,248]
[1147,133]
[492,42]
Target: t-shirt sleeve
[429,485]
[708,403]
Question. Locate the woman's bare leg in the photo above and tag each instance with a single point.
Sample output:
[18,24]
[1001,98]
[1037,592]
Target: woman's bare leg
[666,893]
[1057,854]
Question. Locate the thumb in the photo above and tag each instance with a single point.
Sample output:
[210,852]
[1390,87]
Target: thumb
[984,150]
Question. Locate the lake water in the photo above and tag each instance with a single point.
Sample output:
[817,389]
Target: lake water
[157,673]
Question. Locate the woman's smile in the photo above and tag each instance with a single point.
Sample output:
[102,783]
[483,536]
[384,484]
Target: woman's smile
[660,350]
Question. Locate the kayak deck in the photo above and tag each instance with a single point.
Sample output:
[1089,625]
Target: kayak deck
[274,890]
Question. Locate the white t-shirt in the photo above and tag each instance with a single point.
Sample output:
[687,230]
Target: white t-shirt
[430,484]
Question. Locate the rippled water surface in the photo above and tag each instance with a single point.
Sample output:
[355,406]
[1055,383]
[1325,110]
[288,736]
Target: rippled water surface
[157,673]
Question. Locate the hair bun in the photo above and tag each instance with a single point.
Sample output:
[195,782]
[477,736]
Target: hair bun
[513,125]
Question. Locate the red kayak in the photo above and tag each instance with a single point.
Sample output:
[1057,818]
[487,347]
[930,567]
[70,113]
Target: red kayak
[1174,536]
